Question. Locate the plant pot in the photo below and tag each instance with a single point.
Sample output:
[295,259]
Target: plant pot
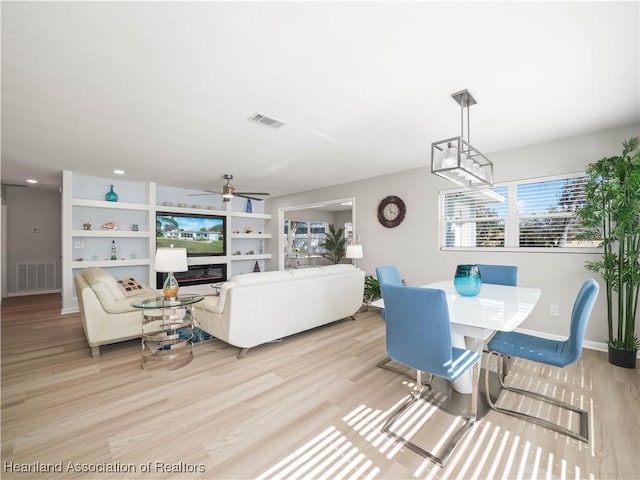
[622,358]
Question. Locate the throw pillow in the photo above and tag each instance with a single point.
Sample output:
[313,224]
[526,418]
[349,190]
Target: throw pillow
[130,286]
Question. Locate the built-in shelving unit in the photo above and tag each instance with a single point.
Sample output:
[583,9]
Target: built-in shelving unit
[134,214]
[263,216]
[110,205]
[110,263]
[250,235]
[108,233]
[250,257]
[209,211]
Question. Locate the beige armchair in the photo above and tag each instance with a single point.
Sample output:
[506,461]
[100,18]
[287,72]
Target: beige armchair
[107,314]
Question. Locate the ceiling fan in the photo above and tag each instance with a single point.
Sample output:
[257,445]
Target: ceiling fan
[229,191]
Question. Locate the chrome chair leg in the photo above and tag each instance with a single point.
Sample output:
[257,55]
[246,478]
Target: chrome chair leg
[583,435]
[469,422]
[405,372]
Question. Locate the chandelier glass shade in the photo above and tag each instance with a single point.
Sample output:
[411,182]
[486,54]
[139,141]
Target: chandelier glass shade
[456,159]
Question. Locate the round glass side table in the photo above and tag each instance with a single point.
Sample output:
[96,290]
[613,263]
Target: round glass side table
[167,331]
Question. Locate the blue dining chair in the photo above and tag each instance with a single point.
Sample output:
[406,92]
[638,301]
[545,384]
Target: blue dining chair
[389,275]
[550,352]
[419,336]
[499,274]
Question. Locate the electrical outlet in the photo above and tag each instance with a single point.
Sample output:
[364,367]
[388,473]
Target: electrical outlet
[554,310]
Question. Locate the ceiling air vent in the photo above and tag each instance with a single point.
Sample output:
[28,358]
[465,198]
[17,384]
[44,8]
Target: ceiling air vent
[266,121]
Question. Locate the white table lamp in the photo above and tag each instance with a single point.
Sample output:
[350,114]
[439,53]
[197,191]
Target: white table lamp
[354,251]
[169,260]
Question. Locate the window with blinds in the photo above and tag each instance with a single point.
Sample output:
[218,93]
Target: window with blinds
[529,215]
[476,218]
[304,236]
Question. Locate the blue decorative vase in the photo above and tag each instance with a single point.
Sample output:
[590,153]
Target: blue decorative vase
[467,281]
[249,206]
[111,196]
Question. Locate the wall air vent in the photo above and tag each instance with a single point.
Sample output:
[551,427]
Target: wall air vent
[266,121]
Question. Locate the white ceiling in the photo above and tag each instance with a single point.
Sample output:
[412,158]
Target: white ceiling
[163,90]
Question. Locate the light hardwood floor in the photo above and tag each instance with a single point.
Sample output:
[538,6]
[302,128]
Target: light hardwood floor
[310,406]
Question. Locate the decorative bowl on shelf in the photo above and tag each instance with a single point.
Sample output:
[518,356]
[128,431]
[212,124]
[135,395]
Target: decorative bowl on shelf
[195,205]
[167,204]
[109,226]
[182,205]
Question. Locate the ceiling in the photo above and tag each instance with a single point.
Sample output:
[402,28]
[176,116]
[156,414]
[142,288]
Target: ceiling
[163,90]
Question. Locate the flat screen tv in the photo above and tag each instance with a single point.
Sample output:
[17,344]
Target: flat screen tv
[201,235]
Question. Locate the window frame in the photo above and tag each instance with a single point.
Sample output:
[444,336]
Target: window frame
[309,236]
[511,221]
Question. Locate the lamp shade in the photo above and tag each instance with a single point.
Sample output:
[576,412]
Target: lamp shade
[171,260]
[354,251]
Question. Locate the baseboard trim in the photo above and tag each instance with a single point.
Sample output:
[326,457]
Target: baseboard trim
[32,292]
[589,344]
[66,311]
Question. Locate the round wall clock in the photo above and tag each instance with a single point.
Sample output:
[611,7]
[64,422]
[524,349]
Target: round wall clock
[391,211]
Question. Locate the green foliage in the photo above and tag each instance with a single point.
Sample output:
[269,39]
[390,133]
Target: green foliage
[371,288]
[166,223]
[193,246]
[335,244]
[612,213]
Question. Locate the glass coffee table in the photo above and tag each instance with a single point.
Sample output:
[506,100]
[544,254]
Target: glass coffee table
[167,330]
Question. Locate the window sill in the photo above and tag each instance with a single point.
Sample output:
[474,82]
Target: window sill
[587,251]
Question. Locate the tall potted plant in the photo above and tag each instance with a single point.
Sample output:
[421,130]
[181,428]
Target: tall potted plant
[611,213]
[335,244]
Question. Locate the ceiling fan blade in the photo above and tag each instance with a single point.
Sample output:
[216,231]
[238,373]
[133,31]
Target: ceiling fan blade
[250,197]
[199,194]
[229,191]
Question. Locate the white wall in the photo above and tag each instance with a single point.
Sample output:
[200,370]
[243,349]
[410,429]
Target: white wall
[340,218]
[414,247]
[315,214]
[3,250]
[33,230]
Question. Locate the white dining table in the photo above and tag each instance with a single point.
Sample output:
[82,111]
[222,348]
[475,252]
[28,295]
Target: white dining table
[475,319]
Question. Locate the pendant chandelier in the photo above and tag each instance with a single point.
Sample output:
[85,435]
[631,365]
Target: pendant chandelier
[456,159]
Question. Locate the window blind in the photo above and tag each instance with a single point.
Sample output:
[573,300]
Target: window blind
[529,214]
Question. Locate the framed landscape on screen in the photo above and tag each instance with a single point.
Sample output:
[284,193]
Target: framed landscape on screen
[201,235]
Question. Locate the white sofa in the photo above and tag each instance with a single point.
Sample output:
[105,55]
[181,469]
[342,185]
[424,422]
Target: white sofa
[257,308]
[107,314]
